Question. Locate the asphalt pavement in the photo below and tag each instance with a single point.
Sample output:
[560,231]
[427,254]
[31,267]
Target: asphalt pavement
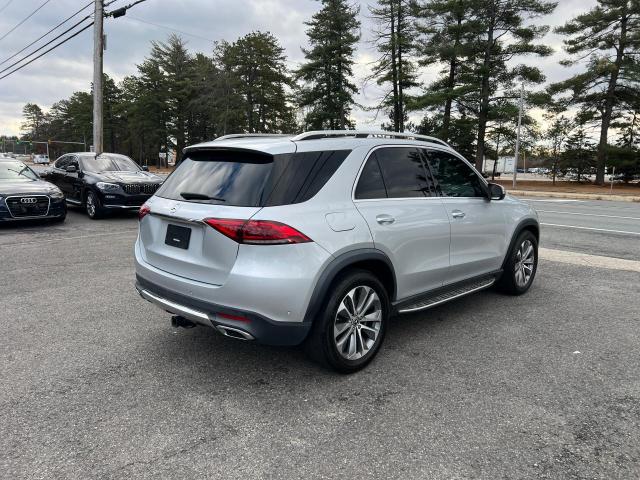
[94,383]
[596,227]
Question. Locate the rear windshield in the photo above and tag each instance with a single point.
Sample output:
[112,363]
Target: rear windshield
[247,179]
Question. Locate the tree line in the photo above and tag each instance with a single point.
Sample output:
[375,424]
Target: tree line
[483,52]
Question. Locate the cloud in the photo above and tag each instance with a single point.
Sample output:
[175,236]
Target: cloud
[69,68]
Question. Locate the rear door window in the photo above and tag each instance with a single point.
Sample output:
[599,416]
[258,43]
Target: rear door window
[250,179]
[404,173]
[298,177]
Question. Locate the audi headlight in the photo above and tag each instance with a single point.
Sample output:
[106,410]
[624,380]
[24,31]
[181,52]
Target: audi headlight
[56,193]
[108,187]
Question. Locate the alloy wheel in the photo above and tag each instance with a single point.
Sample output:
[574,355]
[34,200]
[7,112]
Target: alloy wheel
[91,205]
[525,259]
[357,322]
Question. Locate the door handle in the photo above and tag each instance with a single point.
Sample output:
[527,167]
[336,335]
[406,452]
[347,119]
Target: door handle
[385,219]
[458,214]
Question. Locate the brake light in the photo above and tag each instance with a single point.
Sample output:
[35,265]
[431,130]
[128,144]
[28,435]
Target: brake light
[257,232]
[144,211]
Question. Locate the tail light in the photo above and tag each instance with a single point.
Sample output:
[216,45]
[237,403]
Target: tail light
[257,232]
[144,211]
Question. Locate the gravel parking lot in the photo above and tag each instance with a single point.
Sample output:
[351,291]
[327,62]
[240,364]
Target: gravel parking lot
[95,383]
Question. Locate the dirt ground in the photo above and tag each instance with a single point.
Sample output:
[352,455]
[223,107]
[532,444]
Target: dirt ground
[573,187]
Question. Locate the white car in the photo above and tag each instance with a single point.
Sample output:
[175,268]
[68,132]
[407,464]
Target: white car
[322,237]
[44,159]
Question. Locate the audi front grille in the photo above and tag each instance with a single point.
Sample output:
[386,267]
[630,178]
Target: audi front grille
[28,206]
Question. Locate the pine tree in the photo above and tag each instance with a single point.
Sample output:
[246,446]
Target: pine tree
[146,94]
[204,103]
[175,62]
[395,69]
[258,77]
[328,91]
[502,132]
[33,121]
[446,38]
[609,35]
[112,114]
[579,155]
[559,127]
[502,35]
[625,155]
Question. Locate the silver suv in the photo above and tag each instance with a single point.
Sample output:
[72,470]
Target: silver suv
[321,238]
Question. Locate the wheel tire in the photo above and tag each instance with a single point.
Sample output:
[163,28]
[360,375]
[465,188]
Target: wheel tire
[514,280]
[366,334]
[92,206]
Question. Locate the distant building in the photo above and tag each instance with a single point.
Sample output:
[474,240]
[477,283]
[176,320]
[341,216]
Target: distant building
[505,165]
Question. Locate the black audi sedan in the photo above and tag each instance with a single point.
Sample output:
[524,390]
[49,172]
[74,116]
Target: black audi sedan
[25,196]
[108,182]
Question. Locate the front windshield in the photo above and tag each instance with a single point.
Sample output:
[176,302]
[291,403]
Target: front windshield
[16,171]
[109,163]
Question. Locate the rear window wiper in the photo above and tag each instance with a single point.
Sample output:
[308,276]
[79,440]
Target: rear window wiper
[200,196]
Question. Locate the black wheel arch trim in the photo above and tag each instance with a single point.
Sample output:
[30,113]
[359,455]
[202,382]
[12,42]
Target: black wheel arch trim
[527,222]
[337,265]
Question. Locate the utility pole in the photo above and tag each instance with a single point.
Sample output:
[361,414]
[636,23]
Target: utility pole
[98,52]
[515,163]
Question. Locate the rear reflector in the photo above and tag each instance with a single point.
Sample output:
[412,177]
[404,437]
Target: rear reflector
[144,211]
[257,232]
[237,318]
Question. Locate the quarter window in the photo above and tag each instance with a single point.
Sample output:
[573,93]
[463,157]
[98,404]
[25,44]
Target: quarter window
[454,177]
[371,185]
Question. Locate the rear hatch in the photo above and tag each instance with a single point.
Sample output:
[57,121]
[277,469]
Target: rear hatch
[207,184]
[224,183]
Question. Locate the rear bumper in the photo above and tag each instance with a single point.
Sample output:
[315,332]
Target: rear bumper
[253,326]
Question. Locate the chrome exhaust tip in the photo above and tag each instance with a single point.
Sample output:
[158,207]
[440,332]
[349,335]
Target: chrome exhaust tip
[234,333]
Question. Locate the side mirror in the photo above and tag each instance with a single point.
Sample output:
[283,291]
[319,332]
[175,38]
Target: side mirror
[496,192]
[145,168]
[71,168]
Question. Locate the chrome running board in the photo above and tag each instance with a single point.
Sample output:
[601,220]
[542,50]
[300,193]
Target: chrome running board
[448,295]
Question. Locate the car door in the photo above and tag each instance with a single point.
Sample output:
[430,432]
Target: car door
[408,221]
[74,180]
[478,229]
[57,173]
[68,178]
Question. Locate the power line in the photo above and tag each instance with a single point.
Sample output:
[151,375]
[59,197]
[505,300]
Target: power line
[119,12]
[169,28]
[55,38]
[44,35]
[6,5]
[28,17]
[47,51]
[45,45]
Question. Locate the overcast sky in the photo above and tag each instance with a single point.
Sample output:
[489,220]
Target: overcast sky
[69,68]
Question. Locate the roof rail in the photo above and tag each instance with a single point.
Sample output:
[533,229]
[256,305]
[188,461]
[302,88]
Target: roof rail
[319,134]
[250,135]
